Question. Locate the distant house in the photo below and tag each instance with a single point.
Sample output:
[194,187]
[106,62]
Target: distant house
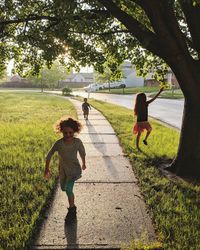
[170,78]
[16,81]
[77,80]
[130,78]
[16,78]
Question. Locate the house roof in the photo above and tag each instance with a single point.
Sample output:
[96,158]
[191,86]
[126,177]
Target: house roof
[16,78]
[85,75]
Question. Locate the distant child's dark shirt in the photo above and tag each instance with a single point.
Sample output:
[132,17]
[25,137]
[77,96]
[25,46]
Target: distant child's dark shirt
[85,106]
[142,113]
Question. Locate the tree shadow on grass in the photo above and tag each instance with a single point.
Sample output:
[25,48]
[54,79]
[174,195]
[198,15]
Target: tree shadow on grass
[163,165]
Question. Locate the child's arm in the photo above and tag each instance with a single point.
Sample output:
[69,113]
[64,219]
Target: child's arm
[151,100]
[83,162]
[47,172]
[82,154]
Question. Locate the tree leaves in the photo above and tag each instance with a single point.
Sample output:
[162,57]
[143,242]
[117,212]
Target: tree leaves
[88,32]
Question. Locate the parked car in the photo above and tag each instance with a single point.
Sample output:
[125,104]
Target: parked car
[114,85]
[92,87]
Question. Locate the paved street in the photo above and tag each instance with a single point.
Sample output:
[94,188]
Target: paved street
[166,110]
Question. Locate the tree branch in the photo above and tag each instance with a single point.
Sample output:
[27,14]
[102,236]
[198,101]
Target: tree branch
[164,22]
[101,34]
[192,15]
[27,19]
[147,38]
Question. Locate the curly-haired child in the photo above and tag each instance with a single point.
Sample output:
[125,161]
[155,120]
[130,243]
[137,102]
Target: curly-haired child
[69,166]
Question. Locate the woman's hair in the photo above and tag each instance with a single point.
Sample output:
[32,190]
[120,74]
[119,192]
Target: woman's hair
[140,102]
[68,122]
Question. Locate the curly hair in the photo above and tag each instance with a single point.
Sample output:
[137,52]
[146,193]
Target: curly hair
[68,122]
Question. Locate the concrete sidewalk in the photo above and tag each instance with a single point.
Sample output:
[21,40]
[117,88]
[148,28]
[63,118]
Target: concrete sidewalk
[110,209]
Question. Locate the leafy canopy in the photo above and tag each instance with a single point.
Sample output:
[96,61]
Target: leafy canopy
[102,33]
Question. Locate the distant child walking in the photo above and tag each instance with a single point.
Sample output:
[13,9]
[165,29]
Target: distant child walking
[141,111]
[69,166]
[85,107]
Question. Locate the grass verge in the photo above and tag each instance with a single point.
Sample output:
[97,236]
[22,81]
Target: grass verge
[26,132]
[128,91]
[167,94]
[174,203]
[172,94]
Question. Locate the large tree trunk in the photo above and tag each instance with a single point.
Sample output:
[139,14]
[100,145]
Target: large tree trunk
[187,71]
[187,161]
[168,42]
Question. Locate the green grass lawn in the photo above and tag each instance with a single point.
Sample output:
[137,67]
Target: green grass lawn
[170,94]
[130,90]
[175,204]
[26,132]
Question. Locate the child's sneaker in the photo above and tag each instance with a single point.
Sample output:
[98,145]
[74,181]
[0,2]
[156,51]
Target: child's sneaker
[145,142]
[71,215]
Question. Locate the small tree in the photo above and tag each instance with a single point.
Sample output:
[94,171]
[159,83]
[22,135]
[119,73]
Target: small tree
[49,77]
[110,73]
[66,91]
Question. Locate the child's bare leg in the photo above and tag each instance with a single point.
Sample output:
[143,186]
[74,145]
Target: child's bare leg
[86,115]
[138,140]
[147,135]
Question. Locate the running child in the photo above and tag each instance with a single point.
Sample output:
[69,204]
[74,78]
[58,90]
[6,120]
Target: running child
[141,111]
[69,166]
[85,107]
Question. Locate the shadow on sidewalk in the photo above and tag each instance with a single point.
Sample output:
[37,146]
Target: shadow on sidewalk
[103,149]
[71,234]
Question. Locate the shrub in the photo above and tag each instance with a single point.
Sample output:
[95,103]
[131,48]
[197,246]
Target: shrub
[66,91]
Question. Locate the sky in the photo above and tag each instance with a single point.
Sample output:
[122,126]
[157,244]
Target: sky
[83,69]
[87,69]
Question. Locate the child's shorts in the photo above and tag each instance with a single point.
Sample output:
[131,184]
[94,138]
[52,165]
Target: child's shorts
[85,112]
[141,126]
[65,178]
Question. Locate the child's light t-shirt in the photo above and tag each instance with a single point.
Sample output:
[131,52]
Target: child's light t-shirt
[69,164]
